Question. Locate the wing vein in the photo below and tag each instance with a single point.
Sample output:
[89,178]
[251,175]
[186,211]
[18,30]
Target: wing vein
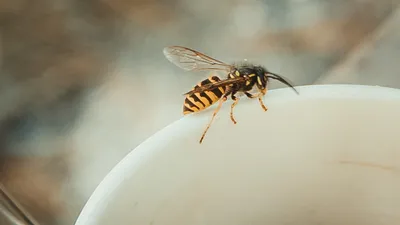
[192,60]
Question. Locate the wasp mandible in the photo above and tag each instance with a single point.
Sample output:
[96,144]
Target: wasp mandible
[241,78]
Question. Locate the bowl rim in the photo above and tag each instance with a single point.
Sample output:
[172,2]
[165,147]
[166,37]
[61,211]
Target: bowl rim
[110,181]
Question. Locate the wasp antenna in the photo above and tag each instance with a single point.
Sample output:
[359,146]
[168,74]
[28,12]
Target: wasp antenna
[281,79]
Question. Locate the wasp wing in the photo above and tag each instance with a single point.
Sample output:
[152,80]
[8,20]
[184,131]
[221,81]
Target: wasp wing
[218,84]
[192,60]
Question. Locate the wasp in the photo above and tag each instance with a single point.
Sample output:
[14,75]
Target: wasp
[241,78]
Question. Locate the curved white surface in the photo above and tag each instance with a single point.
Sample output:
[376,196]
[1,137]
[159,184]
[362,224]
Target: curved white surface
[330,155]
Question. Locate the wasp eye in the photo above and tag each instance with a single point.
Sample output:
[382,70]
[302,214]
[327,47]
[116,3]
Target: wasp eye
[259,81]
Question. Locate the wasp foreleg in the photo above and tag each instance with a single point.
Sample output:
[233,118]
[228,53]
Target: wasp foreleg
[259,96]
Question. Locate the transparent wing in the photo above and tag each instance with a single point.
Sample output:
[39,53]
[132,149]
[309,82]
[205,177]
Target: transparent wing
[192,60]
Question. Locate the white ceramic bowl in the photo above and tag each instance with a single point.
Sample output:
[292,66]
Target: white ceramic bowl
[330,156]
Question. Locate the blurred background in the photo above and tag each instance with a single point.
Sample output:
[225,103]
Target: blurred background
[82,83]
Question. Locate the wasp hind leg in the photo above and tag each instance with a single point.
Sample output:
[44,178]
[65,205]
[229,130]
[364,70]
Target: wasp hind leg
[259,96]
[236,100]
[221,101]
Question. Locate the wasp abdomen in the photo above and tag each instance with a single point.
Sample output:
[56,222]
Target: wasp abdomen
[199,101]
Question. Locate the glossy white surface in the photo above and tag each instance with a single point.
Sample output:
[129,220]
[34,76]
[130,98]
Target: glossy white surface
[328,156]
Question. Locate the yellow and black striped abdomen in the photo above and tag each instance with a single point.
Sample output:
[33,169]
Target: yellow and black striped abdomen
[200,101]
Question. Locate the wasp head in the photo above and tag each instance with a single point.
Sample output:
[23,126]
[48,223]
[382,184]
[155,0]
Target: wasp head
[261,77]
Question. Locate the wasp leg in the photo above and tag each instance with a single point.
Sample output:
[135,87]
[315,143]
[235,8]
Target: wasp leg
[259,96]
[236,100]
[222,100]
[250,95]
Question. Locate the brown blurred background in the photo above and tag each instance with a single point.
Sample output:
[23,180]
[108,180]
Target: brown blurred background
[82,83]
